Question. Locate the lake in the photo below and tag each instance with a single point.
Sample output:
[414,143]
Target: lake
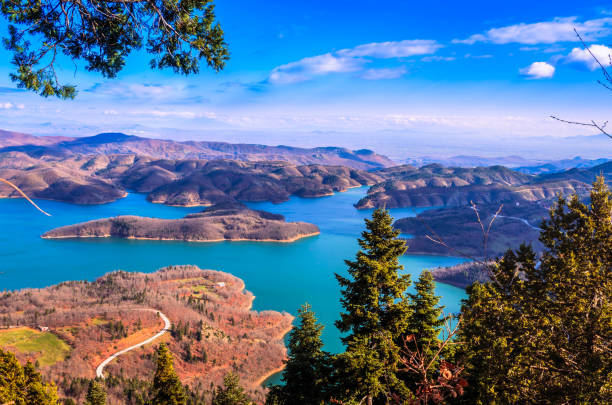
[282,276]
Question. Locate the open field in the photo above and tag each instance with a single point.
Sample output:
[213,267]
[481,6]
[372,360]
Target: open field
[44,347]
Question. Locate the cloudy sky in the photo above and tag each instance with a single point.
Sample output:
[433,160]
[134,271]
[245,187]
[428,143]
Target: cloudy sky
[401,77]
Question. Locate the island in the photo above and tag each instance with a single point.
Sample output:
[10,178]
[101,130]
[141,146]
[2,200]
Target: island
[70,329]
[222,222]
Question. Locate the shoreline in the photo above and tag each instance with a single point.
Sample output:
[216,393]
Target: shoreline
[270,373]
[187,240]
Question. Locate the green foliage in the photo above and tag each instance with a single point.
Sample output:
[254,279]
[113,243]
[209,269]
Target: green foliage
[23,385]
[96,395]
[376,313]
[177,33]
[47,347]
[542,332]
[425,321]
[425,324]
[231,393]
[306,374]
[167,388]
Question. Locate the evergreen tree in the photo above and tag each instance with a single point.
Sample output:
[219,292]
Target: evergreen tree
[23,385]
[231,393]
[308,367]
[96,395]
[425,318]
[542,332]
[425,322]
[167,388]
[180,35]
[376,313]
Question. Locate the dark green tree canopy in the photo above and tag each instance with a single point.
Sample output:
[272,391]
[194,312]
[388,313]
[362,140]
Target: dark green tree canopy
[231,393]
[178,34]
[542,332]
[376,312]
[96,395]
[308,368]
[167,388]
[23,385]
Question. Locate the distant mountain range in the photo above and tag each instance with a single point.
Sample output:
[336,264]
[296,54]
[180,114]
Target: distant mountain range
[521,164]
[118,143]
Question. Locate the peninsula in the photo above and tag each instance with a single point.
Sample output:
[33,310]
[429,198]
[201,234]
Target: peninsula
[214,330]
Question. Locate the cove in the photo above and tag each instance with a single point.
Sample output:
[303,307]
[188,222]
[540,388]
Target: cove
[282,276]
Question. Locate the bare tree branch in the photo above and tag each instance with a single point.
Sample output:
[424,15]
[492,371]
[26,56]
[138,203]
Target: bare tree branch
[608,78]
[24,196]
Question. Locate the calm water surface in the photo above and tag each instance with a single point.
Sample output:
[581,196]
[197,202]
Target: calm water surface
[281,275]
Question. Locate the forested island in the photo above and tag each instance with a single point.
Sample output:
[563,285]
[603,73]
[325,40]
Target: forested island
[222,222]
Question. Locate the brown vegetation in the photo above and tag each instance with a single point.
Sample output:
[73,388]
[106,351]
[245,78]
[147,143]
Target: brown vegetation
[435,185]
[214,329]
[221,222]
[103,178]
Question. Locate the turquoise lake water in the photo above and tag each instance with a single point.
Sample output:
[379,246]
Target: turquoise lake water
[281,275]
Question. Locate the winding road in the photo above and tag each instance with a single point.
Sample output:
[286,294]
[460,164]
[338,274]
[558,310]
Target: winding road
[523,221]
[167,325]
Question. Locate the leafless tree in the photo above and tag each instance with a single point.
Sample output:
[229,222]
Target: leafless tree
[485,260]
[606,83]
[437,378]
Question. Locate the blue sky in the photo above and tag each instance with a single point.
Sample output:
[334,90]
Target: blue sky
[403,78]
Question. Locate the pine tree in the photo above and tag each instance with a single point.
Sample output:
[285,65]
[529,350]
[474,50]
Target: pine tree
[231,393]
[96,395]
[425,322]
[23,385]
[167,388]
[308,367]
[425,318]
[541,332]
[376,309]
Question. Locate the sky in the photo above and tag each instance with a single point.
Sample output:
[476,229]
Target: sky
[401,77]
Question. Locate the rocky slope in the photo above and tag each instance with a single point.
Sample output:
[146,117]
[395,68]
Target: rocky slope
[117,143]
[218,223]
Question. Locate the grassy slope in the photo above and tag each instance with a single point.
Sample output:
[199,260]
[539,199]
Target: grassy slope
[45,347]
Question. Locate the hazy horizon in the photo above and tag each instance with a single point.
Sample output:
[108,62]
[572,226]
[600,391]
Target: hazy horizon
[404,80]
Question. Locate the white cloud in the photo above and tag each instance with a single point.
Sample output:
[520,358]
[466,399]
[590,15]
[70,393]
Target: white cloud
[582,56]
[393,49]
[169,114]
[148,91]
[548,32]
[538,70]
[305,68]
[384,73]
[6,106]
[352,60]
[436,58]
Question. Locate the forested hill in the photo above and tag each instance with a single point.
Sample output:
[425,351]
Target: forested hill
[436,185]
